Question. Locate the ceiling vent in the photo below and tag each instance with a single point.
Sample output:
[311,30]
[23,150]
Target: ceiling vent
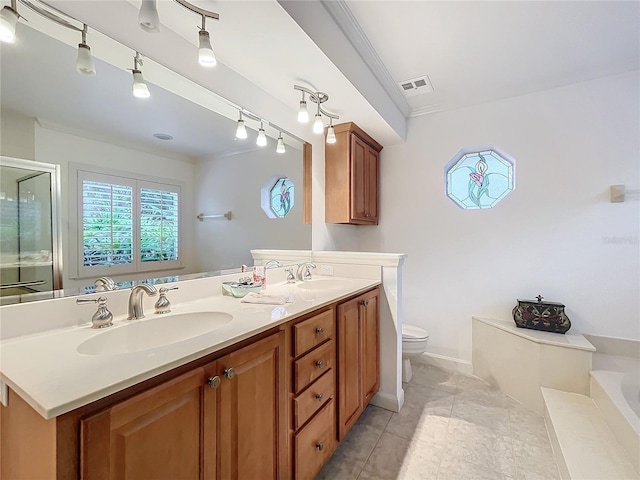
[416,86]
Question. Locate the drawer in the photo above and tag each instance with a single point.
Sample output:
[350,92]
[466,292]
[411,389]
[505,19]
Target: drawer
[315,443]
[312,331]
[313,398]
[313,364]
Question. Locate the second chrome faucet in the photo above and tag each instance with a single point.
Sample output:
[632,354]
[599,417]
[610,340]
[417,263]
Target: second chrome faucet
[135,300]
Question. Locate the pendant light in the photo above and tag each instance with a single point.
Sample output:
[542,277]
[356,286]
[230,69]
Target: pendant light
[206,57]
[303,114]
[241,130]
[140,89]
[148,18]
[84,63]
[261,141]
[331,134]
[280,145]
[8,20]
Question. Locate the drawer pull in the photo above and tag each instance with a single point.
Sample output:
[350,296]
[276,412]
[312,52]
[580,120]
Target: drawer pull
[364,303]
[319,330]
[319,396]
[229,373]
[320,446]
[320,364]
[213,382]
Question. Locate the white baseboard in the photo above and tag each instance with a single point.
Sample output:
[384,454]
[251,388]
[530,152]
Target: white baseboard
[388,401]
[448,363]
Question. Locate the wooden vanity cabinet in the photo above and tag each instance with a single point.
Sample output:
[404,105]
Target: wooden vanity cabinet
[358,357]
[351,177]
[222,419]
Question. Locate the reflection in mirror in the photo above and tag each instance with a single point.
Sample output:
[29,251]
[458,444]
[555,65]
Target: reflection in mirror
[94,123]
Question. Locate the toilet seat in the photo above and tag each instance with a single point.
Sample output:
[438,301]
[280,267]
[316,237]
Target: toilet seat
[413,334]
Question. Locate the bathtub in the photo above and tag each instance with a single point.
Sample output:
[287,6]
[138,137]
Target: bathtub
[615,388]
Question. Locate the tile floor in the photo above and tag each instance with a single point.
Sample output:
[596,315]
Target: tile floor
[452,427]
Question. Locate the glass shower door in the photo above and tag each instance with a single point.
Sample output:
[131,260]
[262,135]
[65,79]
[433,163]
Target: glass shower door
[29,260]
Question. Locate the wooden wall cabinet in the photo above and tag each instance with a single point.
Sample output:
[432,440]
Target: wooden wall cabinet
[351,177]
[358,357]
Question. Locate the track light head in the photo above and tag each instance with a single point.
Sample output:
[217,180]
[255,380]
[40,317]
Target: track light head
[303,113]
[148,18]
[241,130]
[206,57]
[8,21]
[261,141]
[280,145]
[84,63]
[318,126]
[140,89]
[331,135]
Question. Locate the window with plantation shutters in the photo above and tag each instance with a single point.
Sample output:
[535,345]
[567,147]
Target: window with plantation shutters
[126,225]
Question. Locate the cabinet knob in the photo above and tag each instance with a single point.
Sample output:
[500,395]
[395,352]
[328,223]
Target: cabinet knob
[364,303]
[214,382]
[319,330]
[367,214]
[229,373]
[320,446]
[320,364]
[319,396]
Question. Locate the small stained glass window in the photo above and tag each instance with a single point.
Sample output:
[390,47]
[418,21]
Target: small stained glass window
[478,178]
[278,196]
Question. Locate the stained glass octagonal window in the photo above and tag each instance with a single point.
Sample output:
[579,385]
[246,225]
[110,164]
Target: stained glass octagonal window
[480,177]
[278,196]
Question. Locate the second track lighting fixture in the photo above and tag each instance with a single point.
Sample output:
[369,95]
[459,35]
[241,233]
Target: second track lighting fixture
[84,63]
[8,20]
[318,125]
[140,89]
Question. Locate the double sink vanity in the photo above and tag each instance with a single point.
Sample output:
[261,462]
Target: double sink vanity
[215,389]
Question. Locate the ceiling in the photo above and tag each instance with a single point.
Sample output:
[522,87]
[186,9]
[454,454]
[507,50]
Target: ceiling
[357,51]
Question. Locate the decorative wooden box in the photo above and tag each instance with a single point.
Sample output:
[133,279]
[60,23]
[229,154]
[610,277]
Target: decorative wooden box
[539,315]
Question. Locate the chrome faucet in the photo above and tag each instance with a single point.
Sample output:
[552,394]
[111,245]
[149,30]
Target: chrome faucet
[304,274]
[135,300]
[105,284]
[272,264]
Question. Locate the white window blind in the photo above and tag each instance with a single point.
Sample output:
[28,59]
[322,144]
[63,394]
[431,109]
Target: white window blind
[127,225]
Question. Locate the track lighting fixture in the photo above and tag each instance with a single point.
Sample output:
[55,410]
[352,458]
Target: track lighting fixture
[261,141]
[140,89]
[8,20]
[148,18]
[84,63]
[241,130]
[318,125]
[206,57]
[280,145]
[331,134]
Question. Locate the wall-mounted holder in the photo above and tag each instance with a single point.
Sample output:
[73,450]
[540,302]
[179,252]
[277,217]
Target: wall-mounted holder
[202,216]
[618,193]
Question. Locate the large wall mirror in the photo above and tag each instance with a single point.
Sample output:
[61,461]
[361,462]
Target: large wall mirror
[53,115]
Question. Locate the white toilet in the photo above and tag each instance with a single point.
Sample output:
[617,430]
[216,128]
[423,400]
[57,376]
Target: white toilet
[414,342]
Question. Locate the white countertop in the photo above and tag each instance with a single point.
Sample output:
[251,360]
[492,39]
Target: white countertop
[48,372]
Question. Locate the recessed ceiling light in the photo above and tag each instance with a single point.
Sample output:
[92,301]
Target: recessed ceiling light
[163,136]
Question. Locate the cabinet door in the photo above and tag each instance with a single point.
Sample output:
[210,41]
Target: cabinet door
[156,434]
[370,324]
[359,160]
[349,366]
[252,421]
[371,185]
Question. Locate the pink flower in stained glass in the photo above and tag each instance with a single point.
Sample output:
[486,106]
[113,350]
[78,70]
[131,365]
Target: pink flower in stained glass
[477,177]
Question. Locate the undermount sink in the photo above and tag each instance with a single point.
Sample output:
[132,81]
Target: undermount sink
[323,284]
[153,332]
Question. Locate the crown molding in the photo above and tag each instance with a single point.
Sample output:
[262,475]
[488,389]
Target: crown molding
[344,18]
